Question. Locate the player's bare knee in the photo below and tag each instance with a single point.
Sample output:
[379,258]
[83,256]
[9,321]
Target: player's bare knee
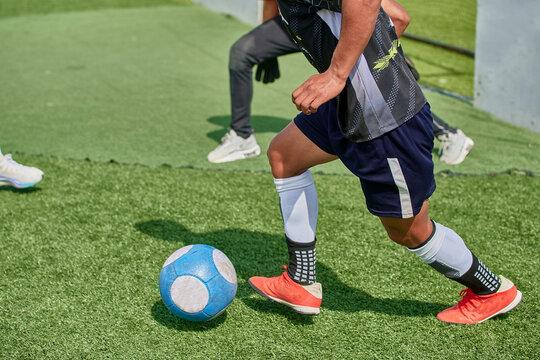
[277,162]
[281,163]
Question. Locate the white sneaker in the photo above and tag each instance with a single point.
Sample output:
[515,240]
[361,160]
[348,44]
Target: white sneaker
[454,147]
[234,147]
[17,175]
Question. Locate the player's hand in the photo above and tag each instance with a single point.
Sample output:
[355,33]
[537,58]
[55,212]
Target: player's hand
[268,71]
[317,90]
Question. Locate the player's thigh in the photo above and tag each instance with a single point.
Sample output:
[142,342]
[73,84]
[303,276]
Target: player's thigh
[291,153]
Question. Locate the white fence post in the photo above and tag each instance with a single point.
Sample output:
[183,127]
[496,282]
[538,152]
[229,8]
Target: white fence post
[507,62]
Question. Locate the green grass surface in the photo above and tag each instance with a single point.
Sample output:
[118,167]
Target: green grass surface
[452,22]
[449,21]
[81,255]
[440,68]
[132,86]
[10,8]
[82,251]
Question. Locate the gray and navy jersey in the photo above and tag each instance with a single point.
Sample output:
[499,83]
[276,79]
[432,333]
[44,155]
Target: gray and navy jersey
[380,93]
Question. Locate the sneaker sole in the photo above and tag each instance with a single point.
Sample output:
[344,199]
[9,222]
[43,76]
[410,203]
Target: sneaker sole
[508,308]
[15,184]
[239,155]
[305,310]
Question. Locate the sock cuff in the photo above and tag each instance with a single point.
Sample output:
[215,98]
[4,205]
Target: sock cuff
[294,244]
[296,182]
[432,245]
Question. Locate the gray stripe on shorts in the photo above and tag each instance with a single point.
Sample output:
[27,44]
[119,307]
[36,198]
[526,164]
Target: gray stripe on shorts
[401,183]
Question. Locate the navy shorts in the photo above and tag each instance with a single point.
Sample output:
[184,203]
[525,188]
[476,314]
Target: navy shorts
[395,169]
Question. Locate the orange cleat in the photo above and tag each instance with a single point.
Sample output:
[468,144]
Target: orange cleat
[304,299]
[474,309]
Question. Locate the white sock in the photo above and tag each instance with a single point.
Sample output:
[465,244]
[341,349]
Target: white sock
[299,206]
[446,252]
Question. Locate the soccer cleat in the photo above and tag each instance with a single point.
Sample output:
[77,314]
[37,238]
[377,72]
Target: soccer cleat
[474,309]
[234,147]
[304,299]
[17,175]
[454,147]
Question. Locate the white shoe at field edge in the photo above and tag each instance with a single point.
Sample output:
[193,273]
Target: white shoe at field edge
[17,175]
[454,147]
[234,147]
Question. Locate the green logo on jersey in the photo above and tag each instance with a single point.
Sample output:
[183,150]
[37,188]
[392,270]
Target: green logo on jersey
[383,63]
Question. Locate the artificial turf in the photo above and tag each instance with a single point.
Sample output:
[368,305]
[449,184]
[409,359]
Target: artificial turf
[82,253]
[13,8]
[451,22]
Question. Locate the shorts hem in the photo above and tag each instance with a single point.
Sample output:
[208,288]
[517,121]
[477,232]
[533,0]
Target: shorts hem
[313,136]
[391,214]
[399,215]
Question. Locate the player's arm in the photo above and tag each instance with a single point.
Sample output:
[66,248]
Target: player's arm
[270,10]
[398,14]
[358,19]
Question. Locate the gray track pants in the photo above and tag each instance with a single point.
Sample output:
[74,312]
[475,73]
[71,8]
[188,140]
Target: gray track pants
[266,41]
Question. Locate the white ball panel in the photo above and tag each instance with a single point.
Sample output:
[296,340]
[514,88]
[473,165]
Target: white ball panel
[189,294]
[177,254]
[224,266]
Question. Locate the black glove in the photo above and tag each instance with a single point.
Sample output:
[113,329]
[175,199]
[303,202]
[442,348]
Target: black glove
[268,70]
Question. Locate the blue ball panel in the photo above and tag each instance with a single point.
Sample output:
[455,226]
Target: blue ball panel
[222,294]
[197,262]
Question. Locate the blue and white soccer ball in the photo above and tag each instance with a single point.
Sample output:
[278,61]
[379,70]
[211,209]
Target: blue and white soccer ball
[197,282]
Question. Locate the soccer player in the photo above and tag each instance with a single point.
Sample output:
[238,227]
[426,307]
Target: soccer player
[365,108]
[262,46]
[17,175]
